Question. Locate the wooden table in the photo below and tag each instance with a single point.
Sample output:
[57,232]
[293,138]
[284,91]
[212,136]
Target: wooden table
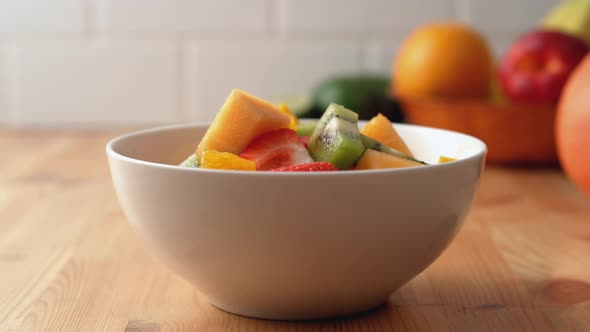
[69,261]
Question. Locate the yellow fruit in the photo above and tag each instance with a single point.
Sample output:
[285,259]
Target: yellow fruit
[443,159]
[443,60]
[571,17]
[373,159]
[381,129]
[294,121]
[241,118]
[224,160]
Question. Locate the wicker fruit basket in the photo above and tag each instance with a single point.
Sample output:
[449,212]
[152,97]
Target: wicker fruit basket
[514,134]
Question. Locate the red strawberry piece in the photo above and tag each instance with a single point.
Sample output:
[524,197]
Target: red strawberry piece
[305,140]
[317,166]
[278,148]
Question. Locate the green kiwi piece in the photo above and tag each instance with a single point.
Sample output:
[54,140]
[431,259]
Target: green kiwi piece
[372,144]
[337,111]
[338,142]
[340,111]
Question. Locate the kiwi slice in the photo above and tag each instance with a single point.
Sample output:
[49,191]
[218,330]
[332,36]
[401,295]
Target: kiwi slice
[191,161]
[306,129]
[338,142]
[337,111]
[373,144]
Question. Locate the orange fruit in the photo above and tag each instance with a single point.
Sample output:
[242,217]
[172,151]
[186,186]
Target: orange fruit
[573,126]
[443,60]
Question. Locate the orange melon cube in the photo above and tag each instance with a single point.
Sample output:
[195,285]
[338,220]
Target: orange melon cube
[241,118]
[381,129]
[373,159]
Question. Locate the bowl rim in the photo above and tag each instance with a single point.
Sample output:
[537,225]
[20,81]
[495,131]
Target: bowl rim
[110,150]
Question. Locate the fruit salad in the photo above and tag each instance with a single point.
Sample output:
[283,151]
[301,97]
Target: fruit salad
[251,134]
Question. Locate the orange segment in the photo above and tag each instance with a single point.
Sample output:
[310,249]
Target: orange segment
[241,118]
[294,121]
[224,160]
[373,159]
[381,129]
[444,159]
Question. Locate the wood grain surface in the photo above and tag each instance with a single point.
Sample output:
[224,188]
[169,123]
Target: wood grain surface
[70,262]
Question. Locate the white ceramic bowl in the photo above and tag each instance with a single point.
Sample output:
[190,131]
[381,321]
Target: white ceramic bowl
[295,245]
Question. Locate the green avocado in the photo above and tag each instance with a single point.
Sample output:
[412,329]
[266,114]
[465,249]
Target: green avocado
[365,94]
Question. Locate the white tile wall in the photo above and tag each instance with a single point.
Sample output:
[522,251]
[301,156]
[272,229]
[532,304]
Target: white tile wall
[378,55]
[507,15]
[177,16]
[41,16]
[94,83]
[265,69]
[346,16]
[153,61]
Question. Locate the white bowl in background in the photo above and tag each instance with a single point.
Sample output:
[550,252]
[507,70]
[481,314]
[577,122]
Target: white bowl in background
[295,245]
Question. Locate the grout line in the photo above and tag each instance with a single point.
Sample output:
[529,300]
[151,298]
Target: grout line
[275,11]
[462,9]
[90,14]
[270,18]
[182,112]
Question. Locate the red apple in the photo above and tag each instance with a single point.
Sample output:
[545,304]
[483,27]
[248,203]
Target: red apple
[538,64]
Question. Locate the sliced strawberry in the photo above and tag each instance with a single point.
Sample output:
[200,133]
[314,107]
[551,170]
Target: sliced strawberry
[305,140]
[317,166]
[279,148]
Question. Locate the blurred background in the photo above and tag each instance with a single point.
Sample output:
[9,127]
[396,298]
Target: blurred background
[100,63]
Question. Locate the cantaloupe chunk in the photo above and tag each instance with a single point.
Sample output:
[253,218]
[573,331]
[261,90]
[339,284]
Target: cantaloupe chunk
[381,129]
[373,159]
[241,118]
